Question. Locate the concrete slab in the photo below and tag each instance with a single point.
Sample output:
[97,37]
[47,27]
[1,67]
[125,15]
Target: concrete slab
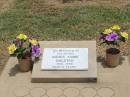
[90,75]
[112,82]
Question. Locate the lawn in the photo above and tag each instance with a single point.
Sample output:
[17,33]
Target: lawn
[63,22]
[78,23]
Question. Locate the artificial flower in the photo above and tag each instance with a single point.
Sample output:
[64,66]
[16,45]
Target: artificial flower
[102,38]
[35,51]
[124,34]
[107,31]
[116,27]
[12,49]
[22,37]
[112,37]
[33,41]
[18,43]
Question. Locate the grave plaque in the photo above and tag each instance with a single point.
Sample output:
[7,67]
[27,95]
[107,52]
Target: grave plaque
[65,59]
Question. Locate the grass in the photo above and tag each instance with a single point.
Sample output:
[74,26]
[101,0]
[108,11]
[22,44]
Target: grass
[81,23]
[78,23]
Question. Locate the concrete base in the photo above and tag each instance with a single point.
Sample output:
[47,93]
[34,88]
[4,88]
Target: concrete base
[112,82]
[39,76]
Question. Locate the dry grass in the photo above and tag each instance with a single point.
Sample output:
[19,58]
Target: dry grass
[47,5]
[3,55]
[6,5]
[112,3]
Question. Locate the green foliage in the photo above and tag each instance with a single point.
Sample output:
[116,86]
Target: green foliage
[82,23]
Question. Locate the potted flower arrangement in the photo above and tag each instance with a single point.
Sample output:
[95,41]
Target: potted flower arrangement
[25,49]
[113,37]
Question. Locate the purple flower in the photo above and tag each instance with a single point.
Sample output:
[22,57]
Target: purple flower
[102,38]
[112,37]
[35,51]
[17,43]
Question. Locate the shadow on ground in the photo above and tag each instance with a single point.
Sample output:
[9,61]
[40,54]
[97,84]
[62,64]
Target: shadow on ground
[14,70]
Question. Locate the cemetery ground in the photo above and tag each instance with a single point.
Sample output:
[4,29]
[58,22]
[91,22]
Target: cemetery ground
[56,21]
[53,20]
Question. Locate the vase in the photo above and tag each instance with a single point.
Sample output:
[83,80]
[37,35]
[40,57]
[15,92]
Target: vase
[25,65]
[112,57]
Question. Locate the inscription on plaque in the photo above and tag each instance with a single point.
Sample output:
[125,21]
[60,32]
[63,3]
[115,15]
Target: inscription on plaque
[65,59]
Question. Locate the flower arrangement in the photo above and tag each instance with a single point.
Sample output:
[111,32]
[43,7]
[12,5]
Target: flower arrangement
[113,36]
[24,47]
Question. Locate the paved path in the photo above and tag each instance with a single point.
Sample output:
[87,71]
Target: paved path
[112,82]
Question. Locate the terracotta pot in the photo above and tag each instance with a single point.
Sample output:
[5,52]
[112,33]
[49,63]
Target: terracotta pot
[25,64]
[112,57]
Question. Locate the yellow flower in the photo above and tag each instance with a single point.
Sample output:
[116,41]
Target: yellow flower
[124,34]
[12,49]
[22,37]
[116,27]
[33,41]
[107,31]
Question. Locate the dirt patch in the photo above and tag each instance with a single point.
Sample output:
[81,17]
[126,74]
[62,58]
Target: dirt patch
[54,5]
[6,4]
[112,3]
[3,55]
[124,48]
[51,5]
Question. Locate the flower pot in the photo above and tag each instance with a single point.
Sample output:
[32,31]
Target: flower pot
[25,64]
[112,57]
